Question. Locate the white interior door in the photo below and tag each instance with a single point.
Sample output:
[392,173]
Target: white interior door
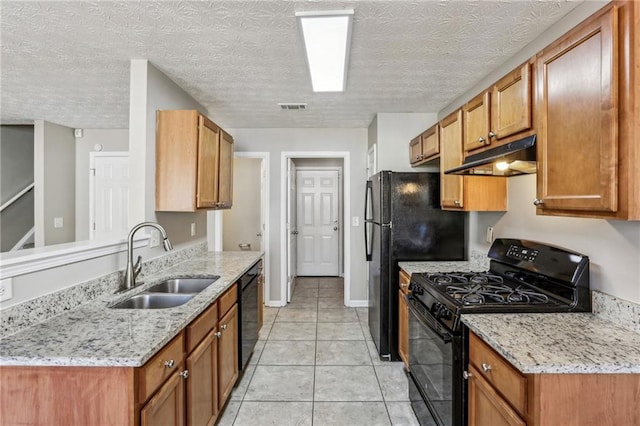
[109,195]
[318,222]
[242,225]
[292,245]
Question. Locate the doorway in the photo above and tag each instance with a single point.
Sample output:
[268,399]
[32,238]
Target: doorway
[293,252]
[108,195]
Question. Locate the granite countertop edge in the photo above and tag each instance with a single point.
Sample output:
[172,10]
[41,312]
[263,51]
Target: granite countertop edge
[139,334]
[589,344]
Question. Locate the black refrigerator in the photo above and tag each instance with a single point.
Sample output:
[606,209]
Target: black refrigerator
[404,222]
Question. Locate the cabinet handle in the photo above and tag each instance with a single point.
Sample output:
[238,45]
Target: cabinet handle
[224,326]
[482,140]
[486,367]
[417,157]
[538,202]
[456,202]
[218,334]
[184,374]
[466,375]
[170,363]
[404,285]
[492,135]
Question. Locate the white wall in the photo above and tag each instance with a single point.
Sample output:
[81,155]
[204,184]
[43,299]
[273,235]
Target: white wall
[55,182]
[111,140]
[393,133]
[276,141]
[612,246]
[151,91]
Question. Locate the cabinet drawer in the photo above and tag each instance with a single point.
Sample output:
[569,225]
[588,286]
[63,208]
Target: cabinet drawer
[404,281]
[160,367]
[227,300]
[201,326]
[505,379]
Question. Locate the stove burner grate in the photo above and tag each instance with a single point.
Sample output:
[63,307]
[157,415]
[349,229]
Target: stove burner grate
[479,293]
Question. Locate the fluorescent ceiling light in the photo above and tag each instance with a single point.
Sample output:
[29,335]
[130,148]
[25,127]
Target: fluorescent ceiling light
[327,37]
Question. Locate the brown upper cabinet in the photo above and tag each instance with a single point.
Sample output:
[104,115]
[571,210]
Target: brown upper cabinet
[194,163]
[588,87]
[468,193]
[425,147]
[499,112]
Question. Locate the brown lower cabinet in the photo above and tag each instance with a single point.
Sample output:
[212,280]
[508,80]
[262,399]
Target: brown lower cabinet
[187,382]
[500,395]
[403,319]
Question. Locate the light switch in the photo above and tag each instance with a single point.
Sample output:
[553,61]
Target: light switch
[58,222]
[355,221]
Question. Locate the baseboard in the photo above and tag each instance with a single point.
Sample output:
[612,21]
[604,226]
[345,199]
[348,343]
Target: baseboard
[358,303]
[274,303]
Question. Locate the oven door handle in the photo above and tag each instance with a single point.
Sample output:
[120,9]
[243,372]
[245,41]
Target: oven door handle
[427,321]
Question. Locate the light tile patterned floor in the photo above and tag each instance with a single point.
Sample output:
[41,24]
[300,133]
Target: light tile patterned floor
[316,365]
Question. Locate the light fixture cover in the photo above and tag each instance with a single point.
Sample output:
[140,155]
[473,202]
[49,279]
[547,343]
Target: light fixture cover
[327,36]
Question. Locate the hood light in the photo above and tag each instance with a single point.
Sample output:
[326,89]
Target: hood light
[502,165]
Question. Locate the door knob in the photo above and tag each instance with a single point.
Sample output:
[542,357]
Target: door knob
[294,232]
[259,234]
[335,228]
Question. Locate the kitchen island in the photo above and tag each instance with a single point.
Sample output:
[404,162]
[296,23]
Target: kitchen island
[98,365]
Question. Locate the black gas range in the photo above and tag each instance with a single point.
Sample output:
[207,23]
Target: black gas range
[524,276]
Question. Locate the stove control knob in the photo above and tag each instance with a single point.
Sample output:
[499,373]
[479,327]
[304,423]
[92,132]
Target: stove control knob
[416,289]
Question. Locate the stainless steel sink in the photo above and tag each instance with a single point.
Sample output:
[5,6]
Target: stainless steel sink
[153,301]
[183,285]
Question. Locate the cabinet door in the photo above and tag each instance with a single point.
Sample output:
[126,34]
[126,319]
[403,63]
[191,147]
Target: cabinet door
[511,103]
[403,329]
[166,407]
[577,100]
[476,122]
[415,150]
[202,383]
[227,354]
[225,172]
[208,142]
[485,405]
[430,142]
[451,187]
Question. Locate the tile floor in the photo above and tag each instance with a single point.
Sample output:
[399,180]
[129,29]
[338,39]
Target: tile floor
[315,364]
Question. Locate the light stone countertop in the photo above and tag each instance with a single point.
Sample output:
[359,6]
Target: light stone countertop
[95,335]
[476,263]
[565,343]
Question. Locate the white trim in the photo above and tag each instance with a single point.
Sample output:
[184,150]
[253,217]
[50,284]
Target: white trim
[346,213]
[17,196]
[23,240]
[217,237]
[38,180]
[359,304]
[36,259]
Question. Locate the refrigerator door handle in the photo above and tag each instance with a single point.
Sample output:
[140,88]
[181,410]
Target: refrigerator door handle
[367,249]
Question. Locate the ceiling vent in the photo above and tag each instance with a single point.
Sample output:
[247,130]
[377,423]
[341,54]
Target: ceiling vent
[293,107]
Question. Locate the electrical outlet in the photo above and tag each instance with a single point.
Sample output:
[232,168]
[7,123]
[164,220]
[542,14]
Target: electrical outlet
[58,222]
[154,241]
[193,229]
[6,289]
[490,234]
[355,221]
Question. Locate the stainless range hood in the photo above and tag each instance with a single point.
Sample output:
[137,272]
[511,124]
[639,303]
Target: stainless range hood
[511,159]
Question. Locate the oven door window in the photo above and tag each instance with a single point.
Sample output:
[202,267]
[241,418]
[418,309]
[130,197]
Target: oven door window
[430,363]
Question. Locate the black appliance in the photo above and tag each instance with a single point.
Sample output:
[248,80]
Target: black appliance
[524,276]
[248,312]
[404,222]
[513,158]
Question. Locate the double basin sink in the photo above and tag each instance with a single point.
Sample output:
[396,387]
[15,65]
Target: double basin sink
[167,294]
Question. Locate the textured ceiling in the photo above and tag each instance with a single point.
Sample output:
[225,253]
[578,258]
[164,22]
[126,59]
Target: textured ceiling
[68,62]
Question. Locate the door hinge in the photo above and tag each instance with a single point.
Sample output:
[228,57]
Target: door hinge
[92,171]
[94,226]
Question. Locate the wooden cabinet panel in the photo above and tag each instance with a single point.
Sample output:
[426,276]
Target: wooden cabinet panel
[201,326]
[451,186]
[202,383]
[415,150]
[403,329]
[227,354]
[194,163]
[511,103]
[486,407]
[227,300]
[208,148]
[578,118]
[476,122]
[166,408]
[431,142]
[167,361]
[494,369]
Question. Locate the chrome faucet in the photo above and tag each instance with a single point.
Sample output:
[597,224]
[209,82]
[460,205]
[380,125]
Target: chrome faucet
[134,269]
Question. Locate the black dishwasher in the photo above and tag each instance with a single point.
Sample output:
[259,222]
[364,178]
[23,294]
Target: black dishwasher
[248,308]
